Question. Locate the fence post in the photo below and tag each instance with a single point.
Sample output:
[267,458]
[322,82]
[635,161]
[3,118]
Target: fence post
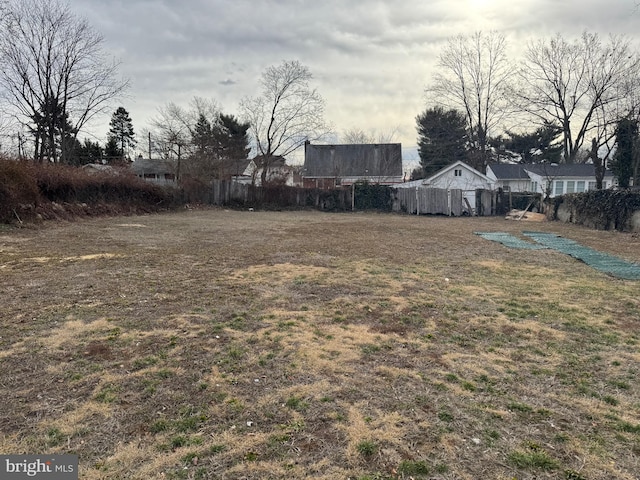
[353,196]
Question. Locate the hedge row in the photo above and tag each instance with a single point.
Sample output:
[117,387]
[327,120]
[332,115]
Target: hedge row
[26,187]
[601,209]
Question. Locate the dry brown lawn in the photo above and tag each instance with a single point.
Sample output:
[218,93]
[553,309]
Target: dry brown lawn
[287,345]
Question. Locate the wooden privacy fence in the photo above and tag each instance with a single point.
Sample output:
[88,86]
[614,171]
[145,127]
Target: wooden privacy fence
[485,202]
[420,200]
[225,193]
[228,193]
[429,201]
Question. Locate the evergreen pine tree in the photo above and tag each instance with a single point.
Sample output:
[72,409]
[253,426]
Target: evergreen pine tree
[112,151]
[442,138]
[219,144]
[538,146]
[120,133]
[234,137]
[89,152]
[202,135]
[626,141]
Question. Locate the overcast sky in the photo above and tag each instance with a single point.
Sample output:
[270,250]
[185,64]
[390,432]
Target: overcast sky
[370,59]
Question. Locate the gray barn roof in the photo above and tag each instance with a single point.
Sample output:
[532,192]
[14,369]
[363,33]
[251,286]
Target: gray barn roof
[353,160]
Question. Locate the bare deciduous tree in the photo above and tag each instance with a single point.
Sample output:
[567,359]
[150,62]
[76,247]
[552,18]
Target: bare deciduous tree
[171,133]
[54,73]
[473,75]
[205,142]
[358,136]
[286,114]
[584,85]
[173,127]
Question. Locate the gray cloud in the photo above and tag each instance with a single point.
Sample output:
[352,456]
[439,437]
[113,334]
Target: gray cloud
[371,59]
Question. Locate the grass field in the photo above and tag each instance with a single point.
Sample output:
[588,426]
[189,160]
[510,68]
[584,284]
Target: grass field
[288,345]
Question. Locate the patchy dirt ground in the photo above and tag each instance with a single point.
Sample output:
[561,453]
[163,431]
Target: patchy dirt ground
[236,345]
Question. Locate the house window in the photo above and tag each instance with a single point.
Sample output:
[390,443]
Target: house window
[604,185]
[580,186]
[571,186]
[559,187]
[457,172]
[592,185]
[534,186]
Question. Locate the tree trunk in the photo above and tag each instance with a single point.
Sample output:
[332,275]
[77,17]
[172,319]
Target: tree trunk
[266,161]
[37,148]
[636,161]
[568,150]
[597,163]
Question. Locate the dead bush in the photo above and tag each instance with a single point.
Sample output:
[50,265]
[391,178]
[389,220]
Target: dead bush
[17,187]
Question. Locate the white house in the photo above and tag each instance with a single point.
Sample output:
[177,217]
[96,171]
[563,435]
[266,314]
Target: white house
[158,171]
[458,175]
[288,175]
[243,171]
[510,177]
[552,179]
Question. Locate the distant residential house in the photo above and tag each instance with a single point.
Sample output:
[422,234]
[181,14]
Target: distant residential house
[458,176]
[288,175]
[161,172]
[510,177]
[330,166]
[99,168]
[241,171]
[278,172]
[551,179]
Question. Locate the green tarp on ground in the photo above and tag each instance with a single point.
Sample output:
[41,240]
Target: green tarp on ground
[603,262]
[509,240]
[600,261]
